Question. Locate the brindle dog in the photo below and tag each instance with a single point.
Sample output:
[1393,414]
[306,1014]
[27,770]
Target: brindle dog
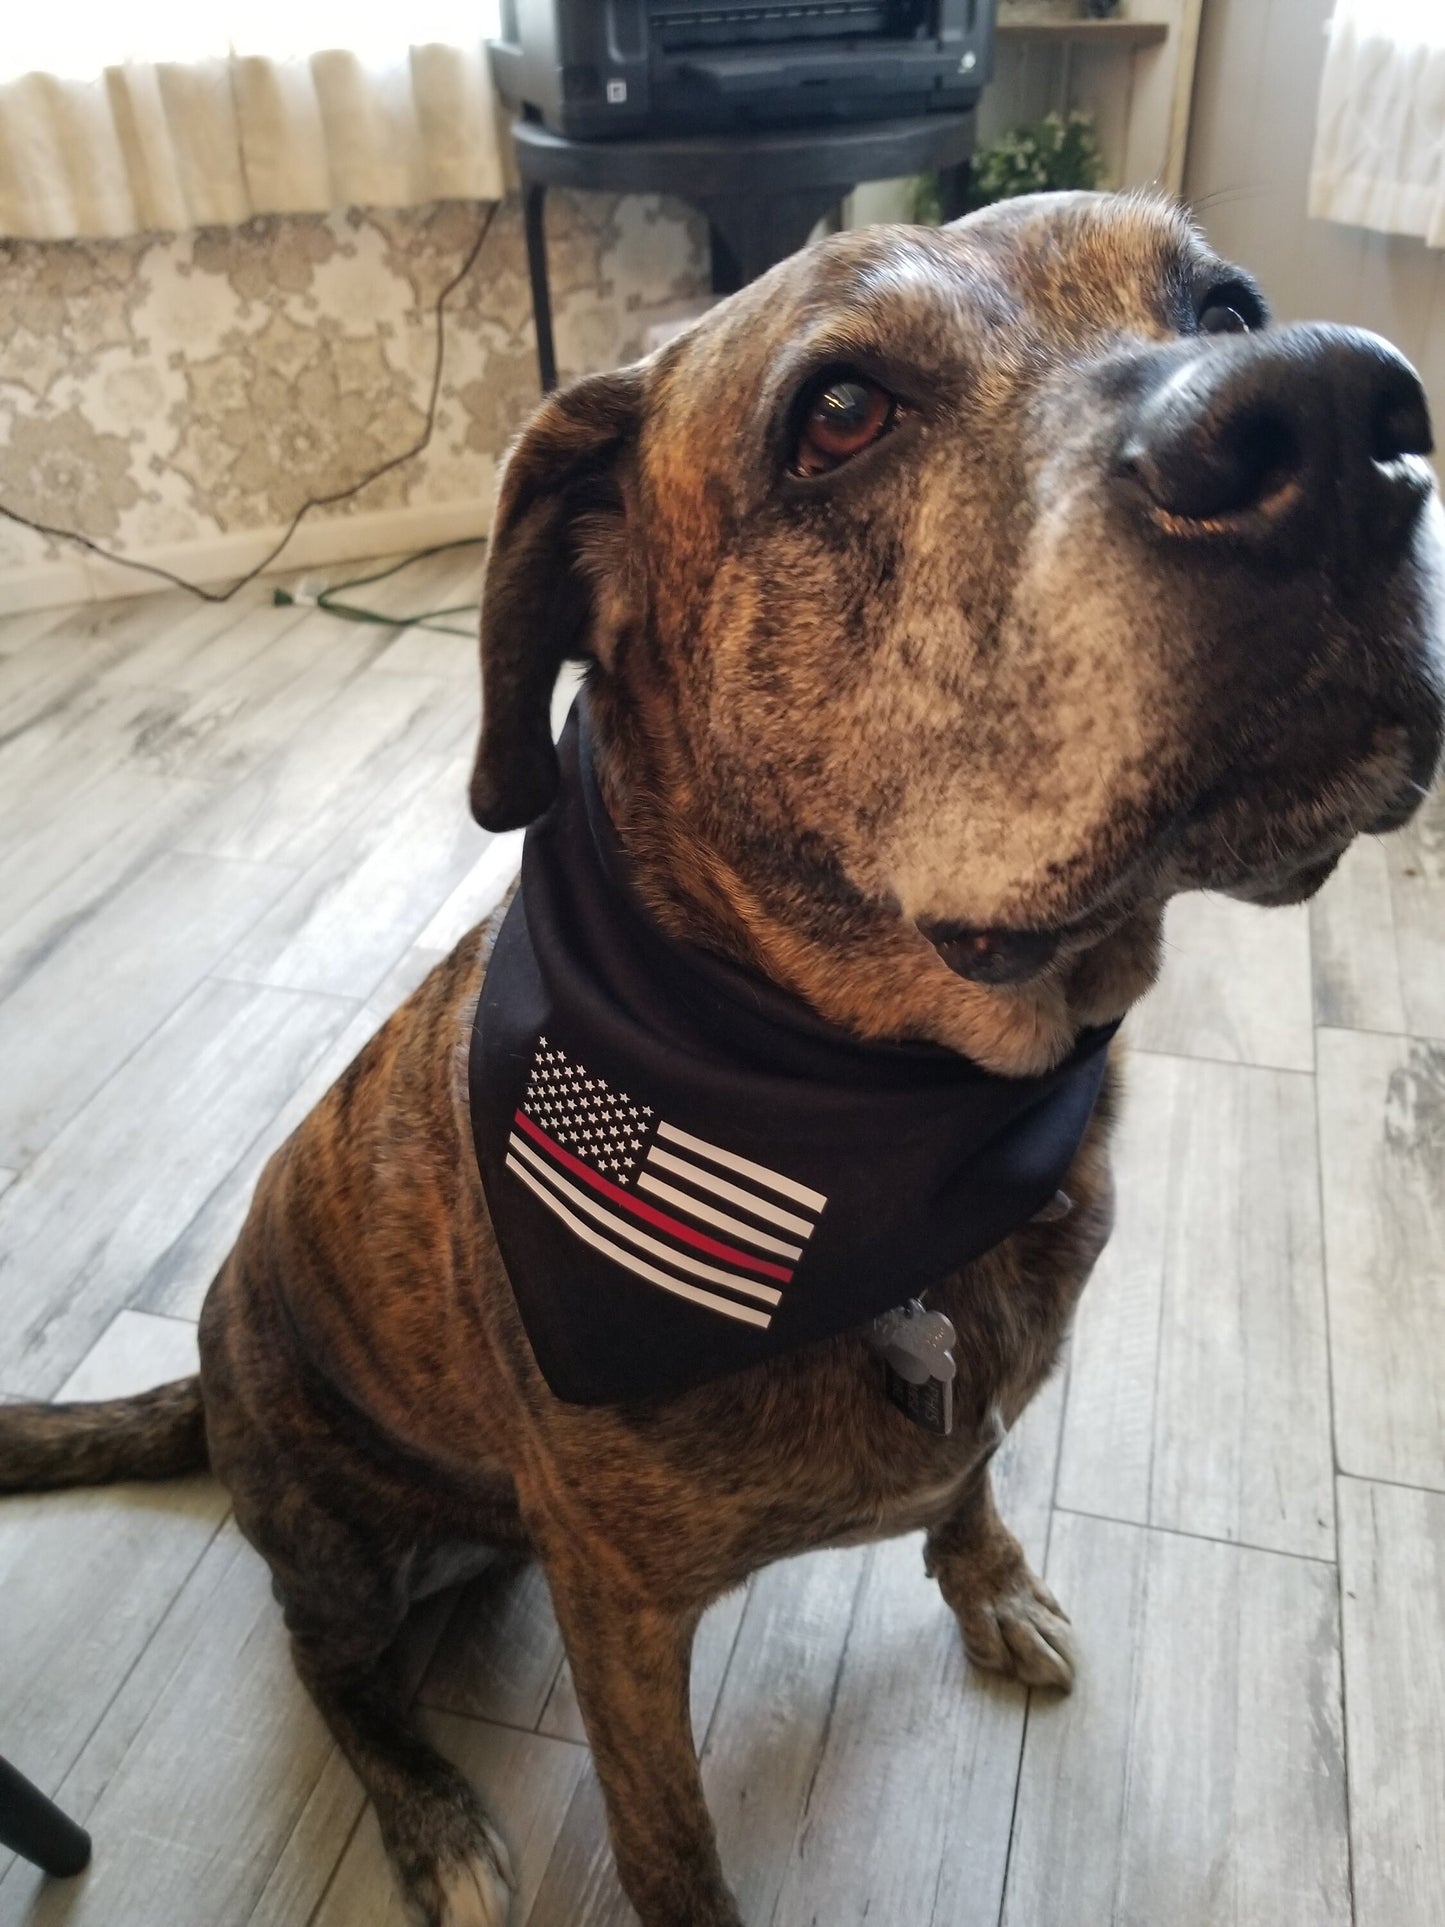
[951,599]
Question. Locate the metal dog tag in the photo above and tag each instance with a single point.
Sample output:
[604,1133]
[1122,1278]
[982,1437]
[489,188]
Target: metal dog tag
[1058,1206]
[915,1346]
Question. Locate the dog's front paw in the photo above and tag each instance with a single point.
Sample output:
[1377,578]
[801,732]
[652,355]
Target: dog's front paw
[469,1889]
[1010,1621]
[1021,1630]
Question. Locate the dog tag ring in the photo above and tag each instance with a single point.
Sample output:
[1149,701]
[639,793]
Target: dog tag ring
[916,1347]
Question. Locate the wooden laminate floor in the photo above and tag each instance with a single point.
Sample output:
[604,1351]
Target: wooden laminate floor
[230,840]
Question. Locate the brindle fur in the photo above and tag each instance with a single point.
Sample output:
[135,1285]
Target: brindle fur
[824,714]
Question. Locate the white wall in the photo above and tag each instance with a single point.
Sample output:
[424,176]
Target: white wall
[1251,134]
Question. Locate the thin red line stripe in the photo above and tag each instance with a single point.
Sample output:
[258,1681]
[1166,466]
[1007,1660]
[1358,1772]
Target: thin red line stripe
[673,1226]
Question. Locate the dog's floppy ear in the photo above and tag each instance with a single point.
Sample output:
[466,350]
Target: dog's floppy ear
[559,488]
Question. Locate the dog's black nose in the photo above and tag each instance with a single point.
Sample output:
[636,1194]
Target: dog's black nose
[1299,433]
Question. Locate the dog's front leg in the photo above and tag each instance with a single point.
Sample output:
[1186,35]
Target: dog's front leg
[1011,1622]
[631,1662]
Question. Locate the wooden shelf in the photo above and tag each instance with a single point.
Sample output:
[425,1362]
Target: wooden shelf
[1093,33]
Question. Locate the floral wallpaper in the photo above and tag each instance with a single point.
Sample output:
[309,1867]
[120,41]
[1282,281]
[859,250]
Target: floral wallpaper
[170,388]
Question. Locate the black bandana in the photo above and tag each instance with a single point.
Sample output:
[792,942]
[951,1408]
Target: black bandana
[687,1171]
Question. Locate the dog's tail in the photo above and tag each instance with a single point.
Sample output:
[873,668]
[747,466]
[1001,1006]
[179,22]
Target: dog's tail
[156,1435]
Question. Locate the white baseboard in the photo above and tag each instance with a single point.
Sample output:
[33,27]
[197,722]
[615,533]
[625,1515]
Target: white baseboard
[217,559]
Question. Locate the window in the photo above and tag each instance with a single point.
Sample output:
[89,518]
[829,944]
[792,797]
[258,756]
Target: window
[168,114]
[1379,158]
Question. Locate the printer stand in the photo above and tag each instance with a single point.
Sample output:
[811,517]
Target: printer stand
[762,191]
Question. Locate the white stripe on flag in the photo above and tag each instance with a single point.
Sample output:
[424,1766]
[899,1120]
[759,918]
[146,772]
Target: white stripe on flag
[750,1287]
[764,1240]
[774,1180]
[638,1265]
[734,1193]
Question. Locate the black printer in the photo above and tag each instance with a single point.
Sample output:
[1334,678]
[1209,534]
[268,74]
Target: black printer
[592,68]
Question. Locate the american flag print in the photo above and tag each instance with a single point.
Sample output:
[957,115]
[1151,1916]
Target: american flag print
[693,1218]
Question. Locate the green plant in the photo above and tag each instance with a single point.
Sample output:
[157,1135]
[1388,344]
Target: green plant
[1054,153]
[1058,152]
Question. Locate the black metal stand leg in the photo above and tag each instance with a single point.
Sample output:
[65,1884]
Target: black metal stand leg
[727,276]
[955,188]
[36,1829]
[752,233]
[533,200]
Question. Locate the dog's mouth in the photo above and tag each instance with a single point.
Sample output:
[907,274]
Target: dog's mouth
[992,956]
[1265,835]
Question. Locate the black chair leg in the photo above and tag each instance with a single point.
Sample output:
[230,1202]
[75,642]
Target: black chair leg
[534,197]
[36,1829]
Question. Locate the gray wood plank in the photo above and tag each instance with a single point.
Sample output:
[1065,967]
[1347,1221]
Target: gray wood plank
[327,1820]
[77,726]
[67,874]
[264,700]
[92,640]
[431,582]
[1235,986]
[314,1849]
[206,643]
[348,918]
[427,582]
[526,1782]
[177,1281]
[20,628]
[772,1719]
[765,1739]
[499,1656]
[1026,1469]
[50,762]
[478,893]
[61,738]
[1199,1392]
[1416,856]
[1352,944]
[87,1576]
[299,800]
[428,652]
[1382,1161]
[76,1006]
[491,876]
[82,1225]
[1107,1454]
[210,1755]
[411,968]
[85,806]
[135,1350]
[910,1799]
[1196,1775]
[1392,1577]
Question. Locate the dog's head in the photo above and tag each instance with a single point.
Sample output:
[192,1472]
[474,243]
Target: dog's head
[956,596]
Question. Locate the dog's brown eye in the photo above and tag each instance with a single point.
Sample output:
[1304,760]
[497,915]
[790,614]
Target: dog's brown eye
[843,418]
[1220,319]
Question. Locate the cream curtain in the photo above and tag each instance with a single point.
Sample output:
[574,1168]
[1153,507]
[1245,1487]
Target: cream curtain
[1379,159]
[132,116]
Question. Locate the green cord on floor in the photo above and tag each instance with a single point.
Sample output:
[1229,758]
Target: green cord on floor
[424,619]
